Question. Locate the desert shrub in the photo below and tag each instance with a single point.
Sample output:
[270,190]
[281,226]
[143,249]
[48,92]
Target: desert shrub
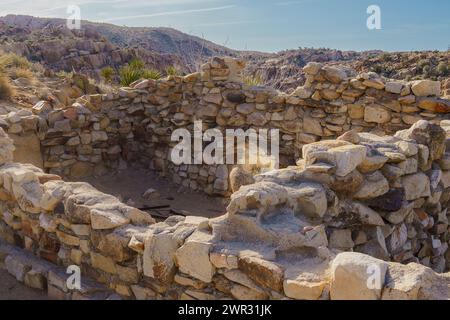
[6,89]
[107,73]
[137,64]
[128,75]
[253,80]
[426,70]
[421,64]
[134,71]
[442,69]
[151,74]
[64,74]
[16,73]
[171,71]
[12,60]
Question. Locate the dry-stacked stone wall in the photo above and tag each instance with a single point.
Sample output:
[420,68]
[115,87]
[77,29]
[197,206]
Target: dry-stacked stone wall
[360,217]
[103,132]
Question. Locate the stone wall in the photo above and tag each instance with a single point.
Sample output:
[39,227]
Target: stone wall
[103,132]
[302,232]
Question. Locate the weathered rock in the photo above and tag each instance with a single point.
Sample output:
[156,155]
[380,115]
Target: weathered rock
[416,186]
[389,201]
[240,177]
[341,239]
[193,257]
[374,185]
[103,220]
[159,256]
[423,88]
[357,277]
[377,114]
[428,134]
[263,272]
[345,157]
[308,199]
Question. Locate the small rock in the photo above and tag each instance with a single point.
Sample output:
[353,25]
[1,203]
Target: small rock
[151,194]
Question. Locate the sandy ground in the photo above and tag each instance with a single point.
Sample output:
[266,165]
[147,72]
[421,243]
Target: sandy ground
[129,185]
[11,289]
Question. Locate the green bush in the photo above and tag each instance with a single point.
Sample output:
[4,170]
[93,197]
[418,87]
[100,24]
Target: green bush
[151,74]
[171,71]
[135,71]
[442,69]
[128,75]
[107,73]
[137,64]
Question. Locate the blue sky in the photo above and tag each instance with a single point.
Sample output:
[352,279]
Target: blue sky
[271,25]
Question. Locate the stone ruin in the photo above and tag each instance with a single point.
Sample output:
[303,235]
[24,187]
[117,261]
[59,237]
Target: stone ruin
[355,207]
[101,133]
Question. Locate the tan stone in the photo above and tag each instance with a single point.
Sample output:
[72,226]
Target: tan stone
[103,263]
[351,277]
[263,272]
[27,149]
[159,255]
[103,220]
[193,257]
[377,114]
[423,88]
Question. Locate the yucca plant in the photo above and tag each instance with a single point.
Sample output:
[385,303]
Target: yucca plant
[151,74]
[171,71]
[129,75]
[107,73]
[137,64]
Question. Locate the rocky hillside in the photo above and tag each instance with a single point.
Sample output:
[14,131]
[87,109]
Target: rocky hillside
[433,65]
[97,45]
[283,70]
[51,43]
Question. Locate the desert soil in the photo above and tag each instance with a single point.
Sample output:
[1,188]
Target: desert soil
[129,185]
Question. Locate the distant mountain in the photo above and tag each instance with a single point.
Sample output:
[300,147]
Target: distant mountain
[96,45]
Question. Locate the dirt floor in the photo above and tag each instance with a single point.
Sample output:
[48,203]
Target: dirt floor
[129,185]
[11,289]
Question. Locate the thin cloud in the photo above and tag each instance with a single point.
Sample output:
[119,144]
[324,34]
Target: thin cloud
[288,3]
[169,13]
[154,3]
[226,23]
